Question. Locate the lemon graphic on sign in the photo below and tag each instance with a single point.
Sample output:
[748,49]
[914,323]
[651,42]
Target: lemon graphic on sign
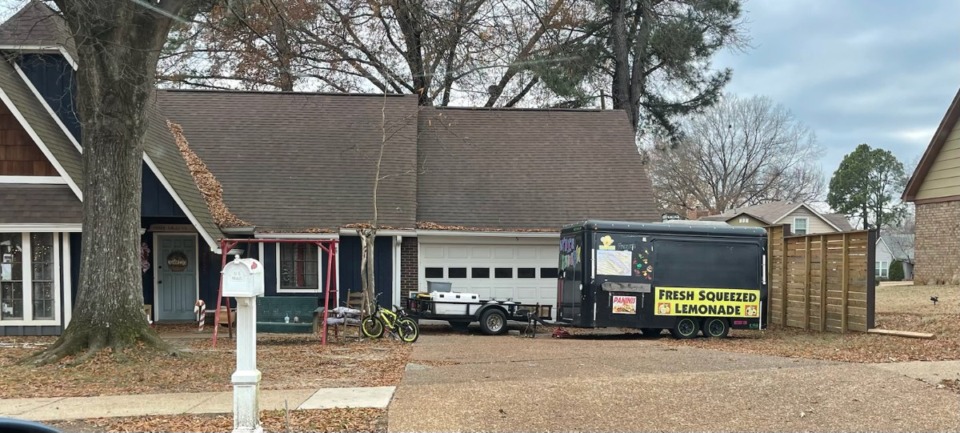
[607,241]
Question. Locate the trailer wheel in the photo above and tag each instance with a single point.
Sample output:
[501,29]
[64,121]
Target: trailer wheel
[493,322]
[459,326]
[686,327]
[716,327]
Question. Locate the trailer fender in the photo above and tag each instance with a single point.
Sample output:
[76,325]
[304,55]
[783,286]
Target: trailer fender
[480,310]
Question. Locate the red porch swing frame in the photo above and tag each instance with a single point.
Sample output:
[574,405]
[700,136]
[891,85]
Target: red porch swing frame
[327,245]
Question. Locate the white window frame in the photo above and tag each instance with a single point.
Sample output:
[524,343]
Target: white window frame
[806,225]
[744,220]
[320,268]
[883,269]
[27,269]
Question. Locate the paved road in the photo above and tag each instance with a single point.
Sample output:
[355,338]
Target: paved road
[507,383]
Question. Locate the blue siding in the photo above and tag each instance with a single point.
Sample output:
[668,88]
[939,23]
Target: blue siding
[155,200]
[350,255]
[54,78]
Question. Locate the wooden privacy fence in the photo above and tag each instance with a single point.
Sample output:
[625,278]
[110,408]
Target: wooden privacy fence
[822,282]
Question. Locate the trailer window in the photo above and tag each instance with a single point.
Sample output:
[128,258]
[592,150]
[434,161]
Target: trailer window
[703,264]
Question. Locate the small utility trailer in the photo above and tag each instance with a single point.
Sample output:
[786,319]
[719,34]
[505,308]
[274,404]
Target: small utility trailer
[682,277]
[462,309]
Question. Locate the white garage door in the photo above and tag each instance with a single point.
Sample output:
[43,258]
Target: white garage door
[524,270]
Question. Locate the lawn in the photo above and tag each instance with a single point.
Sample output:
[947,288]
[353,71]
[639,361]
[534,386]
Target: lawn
[903,308]
[295,361]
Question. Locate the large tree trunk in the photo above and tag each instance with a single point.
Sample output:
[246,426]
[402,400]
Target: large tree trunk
[118,43]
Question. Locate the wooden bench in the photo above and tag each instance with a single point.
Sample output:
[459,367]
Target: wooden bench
[272,312]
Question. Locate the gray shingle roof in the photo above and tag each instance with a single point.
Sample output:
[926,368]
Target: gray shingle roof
[36,24]
[901,245]
[42,122]
[160,146]
[768,213]
[529,169]
[840,220]
[303,161]
[39,204]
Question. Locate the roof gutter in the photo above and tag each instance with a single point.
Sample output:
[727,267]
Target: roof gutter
[555,234]
[248,231]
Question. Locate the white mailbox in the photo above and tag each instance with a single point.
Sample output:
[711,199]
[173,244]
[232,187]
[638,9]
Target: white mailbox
[243,278]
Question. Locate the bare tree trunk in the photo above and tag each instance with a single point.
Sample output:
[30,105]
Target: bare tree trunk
[118,43]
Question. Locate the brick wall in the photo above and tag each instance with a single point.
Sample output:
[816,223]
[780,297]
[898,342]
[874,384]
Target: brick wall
[409,267]
[938,244]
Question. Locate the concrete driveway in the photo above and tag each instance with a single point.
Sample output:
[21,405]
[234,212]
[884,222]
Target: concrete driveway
[506,383]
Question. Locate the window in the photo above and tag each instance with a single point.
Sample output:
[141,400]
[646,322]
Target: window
[29,277]
[800,226]
[11,276]
[883,269]
[457,272]
[527,273]
[549,273]
[503,273]
[744,220]
[41,250]
[433,272]
[299,267]
[480,273]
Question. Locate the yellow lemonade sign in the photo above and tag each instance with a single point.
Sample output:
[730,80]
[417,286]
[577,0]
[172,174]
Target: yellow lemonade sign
[692,301]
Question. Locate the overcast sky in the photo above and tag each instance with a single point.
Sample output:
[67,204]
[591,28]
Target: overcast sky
[881,72]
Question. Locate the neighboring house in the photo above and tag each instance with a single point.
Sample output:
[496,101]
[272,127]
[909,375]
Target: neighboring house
[892,247]
[802,218]
[475,197]
[934,188]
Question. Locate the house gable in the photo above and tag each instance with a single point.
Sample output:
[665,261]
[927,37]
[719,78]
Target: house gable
[746,220]
[815,222]
[937,177]
[19,154]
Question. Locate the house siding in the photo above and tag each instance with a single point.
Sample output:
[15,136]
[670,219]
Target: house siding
[814,223]
[54,79]
[409,267]
[884,255]
[943,178]
[19,155]
[937,243]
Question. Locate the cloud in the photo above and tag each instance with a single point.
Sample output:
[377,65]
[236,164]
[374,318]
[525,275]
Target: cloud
[882,74]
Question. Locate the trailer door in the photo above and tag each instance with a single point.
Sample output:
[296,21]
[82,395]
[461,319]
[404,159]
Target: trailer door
[569,286]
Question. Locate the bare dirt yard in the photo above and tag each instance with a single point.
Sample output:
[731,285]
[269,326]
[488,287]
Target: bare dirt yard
[902,308]
[295,361]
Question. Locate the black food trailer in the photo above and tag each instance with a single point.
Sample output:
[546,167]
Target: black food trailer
[683,277]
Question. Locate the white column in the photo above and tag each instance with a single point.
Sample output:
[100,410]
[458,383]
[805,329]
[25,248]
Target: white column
[246,380]
[67,283]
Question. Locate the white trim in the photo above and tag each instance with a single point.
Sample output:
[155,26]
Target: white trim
[489,234]
[396,269]
[36,139]
[320,280]
[39,180]
[27,284]
[806,222]
[304,236]
[260,255]
[49,109]
[67,283]
[41,227]
[336,263]
[156,274]
[26,281]
[43,48]
[193,219]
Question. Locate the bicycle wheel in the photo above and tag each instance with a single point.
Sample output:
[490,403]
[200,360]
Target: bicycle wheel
[371,327]
[408,330]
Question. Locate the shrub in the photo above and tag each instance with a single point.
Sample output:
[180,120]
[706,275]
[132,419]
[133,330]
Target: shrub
[896,271]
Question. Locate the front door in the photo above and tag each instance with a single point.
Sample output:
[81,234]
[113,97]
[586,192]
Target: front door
[176,277]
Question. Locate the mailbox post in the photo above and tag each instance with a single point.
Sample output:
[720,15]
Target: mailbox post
[243,280]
